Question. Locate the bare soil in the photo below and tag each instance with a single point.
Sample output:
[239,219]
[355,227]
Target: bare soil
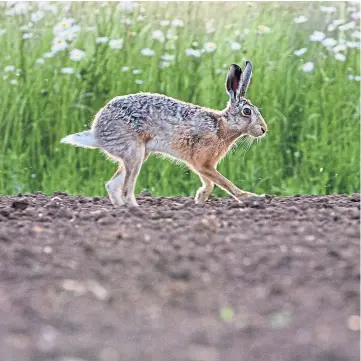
[274,279]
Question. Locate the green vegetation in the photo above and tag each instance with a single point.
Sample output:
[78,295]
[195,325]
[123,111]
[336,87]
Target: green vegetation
[311,102]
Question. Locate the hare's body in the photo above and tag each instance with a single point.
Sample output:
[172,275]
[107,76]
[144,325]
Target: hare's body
[164,125]
[131,127]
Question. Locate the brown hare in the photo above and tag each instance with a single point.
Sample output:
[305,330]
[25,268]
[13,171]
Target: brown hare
[131,127]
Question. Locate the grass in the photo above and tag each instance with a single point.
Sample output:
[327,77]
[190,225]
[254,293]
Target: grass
[314,117]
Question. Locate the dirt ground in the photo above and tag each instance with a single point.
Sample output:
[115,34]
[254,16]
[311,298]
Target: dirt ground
[274,279]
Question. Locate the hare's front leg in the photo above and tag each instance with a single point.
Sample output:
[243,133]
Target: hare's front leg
[204,192]
[213,175]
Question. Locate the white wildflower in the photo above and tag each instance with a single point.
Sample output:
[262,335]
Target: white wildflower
[357,77]
[329,42]
[355,34]
[327,9]
[300,52]
[264,29]
[140,18]
[91,28]
[70,33]
[308,67]
[193,52]
[317,36]
[348,26]
[13,82]
[209,26]
[355,15]
[137,71]
[164,22]
[2,32]
[116,43]
[210,47]
[59,44]
[353,44]
[76,55]
[127,6]
[20,8]
[27,36]
[168,57]
[195,43]
[171,36]
[177,23]
[147,52]
[139,82]
[101,40]
[37,16]
[63,25]
[67,70]
[338,22]
[49,54]
[351,77]
[24,27]
[339,47]
[235,46]
[9,68]
[125,69]
[340,57]
[300,19]
[40,61]
[164,64]
[127,22]
[158,35]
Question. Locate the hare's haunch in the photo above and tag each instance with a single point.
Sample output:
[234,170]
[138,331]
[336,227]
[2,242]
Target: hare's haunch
[131,127]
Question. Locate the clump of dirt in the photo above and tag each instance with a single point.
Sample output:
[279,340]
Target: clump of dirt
[269,279]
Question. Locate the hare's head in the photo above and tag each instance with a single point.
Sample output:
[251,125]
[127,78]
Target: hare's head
[243,117]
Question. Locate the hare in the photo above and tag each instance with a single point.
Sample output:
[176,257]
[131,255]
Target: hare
[130,127]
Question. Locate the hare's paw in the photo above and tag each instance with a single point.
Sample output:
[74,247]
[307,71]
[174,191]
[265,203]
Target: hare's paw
[201,197]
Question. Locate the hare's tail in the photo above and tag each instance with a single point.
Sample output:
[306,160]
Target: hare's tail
[84,139]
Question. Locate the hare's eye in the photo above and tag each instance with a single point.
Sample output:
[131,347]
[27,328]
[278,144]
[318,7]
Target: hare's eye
[246,111]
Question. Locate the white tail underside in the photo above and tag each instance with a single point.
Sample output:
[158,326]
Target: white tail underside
[84,139]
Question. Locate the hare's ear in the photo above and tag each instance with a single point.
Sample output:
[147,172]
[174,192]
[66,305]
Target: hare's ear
[233,81]
[247,74]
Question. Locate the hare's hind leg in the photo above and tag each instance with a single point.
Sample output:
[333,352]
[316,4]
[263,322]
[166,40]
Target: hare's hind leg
[132,163]
[204,192]
[114,187]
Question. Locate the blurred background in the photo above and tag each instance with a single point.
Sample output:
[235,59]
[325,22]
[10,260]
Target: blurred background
[60,62]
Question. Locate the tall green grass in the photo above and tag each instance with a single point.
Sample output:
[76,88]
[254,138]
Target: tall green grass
[314,117]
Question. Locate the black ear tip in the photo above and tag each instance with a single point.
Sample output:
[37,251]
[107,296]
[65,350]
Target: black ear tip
[248,63]
[234,66]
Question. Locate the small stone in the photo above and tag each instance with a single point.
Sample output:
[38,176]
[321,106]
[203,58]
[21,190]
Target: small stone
[109,354]
[59,194]
[20,205]
[47,338]
[64,213]
[98,290]
[5,213]
[353,323]
[47,249]
[74,286]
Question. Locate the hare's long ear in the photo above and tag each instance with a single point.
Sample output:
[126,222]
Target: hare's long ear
[233,81]
[247,74]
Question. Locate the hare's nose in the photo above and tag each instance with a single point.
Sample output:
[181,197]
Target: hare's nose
[263,130]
